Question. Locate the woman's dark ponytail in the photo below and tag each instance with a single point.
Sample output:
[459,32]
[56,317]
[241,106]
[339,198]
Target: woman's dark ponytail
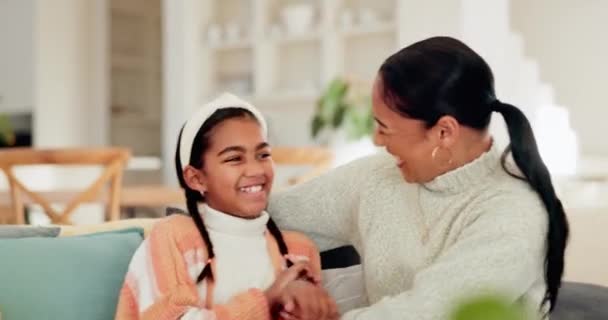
[527,157]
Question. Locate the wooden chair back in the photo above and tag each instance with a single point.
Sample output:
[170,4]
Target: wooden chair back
[113,160]
[318,158]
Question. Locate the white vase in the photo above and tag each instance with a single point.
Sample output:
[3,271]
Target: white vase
[346,150]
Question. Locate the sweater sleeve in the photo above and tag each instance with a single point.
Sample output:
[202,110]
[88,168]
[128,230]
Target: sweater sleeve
[501,252]
[158,285]
[323,208]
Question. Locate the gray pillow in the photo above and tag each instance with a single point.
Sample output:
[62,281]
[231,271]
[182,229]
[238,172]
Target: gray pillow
[13,232]
[579,301]
[346,286]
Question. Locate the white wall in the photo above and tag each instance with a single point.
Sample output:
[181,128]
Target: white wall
[16,69]
[182,70]
[419,20]
[568,40]
[69,80]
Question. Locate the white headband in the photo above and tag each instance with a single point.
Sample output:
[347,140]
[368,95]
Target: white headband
[193,125]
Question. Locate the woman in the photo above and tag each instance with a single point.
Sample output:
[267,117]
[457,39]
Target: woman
[445,216]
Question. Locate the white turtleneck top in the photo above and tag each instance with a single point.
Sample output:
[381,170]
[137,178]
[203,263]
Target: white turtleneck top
[241,253]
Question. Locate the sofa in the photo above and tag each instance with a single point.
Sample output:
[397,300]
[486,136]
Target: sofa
[75,272]
[50,273]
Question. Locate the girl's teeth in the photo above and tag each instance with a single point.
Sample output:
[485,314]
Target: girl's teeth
[252,189]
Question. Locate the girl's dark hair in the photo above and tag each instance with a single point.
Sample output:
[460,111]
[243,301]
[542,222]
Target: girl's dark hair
[199,146]
[442,76]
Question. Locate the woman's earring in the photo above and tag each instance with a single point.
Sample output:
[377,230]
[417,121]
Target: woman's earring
[445,160]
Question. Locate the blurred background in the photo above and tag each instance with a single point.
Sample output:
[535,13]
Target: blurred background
[93,73]
[129,72]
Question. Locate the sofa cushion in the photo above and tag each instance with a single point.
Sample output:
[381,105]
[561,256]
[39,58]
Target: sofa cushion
[17,231]
[346,286]
[343,278]
[577,301]
[65,278]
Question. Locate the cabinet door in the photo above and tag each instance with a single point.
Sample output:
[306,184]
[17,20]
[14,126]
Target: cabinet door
[136,99]
[16,56]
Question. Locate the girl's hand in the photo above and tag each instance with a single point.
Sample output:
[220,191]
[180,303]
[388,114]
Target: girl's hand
[303,300]
[299,270]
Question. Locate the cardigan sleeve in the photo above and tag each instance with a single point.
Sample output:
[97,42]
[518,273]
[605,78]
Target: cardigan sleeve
[158,285]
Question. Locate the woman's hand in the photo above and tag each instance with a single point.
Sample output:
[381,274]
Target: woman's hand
[303,300]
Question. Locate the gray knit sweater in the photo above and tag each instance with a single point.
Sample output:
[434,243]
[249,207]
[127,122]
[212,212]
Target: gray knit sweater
[424,247]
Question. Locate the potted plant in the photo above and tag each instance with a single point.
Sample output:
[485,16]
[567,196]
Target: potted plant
[343,120]
[342,109]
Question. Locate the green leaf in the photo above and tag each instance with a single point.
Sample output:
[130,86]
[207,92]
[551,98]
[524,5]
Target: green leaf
[369,121]
[353,126]
[7,135]
[359,122]
[316,125]
[332,99]
[489,308]
[338,118]
[342,110]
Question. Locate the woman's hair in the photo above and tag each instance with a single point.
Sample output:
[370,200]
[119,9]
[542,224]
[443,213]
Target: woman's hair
[442,76]
[193,198]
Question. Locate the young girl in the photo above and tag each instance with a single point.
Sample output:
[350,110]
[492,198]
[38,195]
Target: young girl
[228,260]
